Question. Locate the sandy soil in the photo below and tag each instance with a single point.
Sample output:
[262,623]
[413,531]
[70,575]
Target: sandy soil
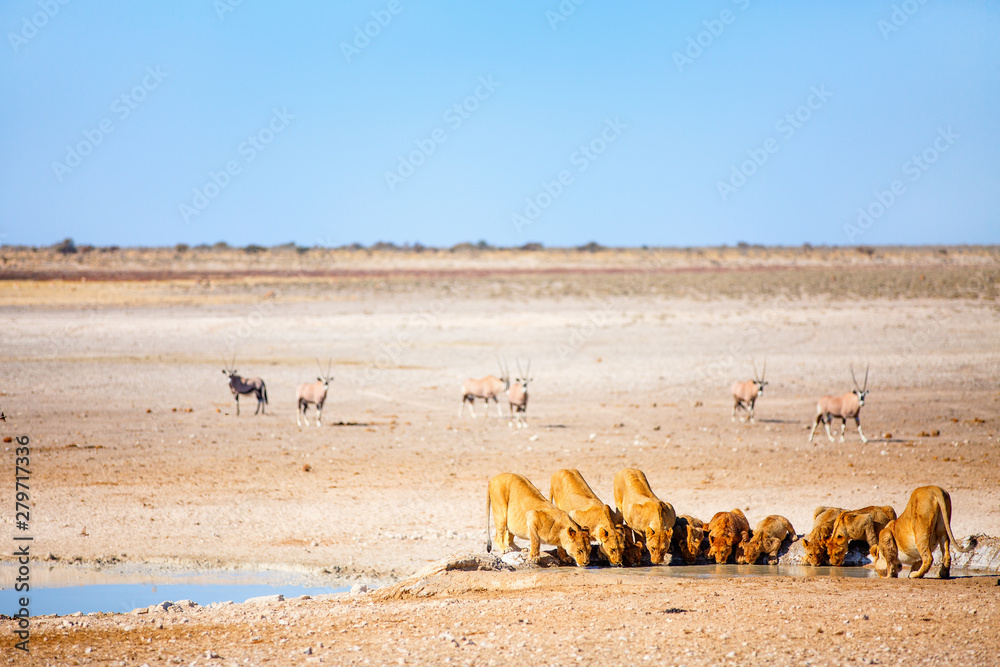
[138,456]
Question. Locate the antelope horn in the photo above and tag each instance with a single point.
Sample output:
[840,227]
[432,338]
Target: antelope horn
[520,371]
[856,385]
[866,377]
[756,375]
[500,366]
[765,371]
[529,370]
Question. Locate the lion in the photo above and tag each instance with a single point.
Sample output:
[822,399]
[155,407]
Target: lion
[519,509]
[644,513]
[767,539]
[727,531]
[632,545]
[815,542]
[923,526]
[570,492]
[863,524]
[689,533]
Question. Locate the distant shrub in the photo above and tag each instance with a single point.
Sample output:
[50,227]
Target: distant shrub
[385,245]
[220,245]
[66,247]
[253,249]
[593,246]
[866,250]
[182,247]
[532,247]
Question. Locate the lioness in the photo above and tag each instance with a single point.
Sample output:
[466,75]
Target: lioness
[726,531]
[689,533]
[815,542]
[923,526]
[644,513]
[570,492]
[520,509]
[863,524]
[767,539]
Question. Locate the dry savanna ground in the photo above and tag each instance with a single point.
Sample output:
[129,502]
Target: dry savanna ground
[111,365]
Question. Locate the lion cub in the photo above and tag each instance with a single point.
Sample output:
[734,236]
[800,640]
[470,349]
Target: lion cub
[519,509]
[570,492]
[815,542]
[863,524]
[766,540]
[689,534]
[727,531]
[644,513]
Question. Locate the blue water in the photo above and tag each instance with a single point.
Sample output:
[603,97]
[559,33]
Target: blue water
[98,592]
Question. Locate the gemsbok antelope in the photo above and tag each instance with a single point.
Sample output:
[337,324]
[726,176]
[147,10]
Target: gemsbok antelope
[489,387]
[239,385]
[313,393]
[517,397]
[746,393]
[842,407]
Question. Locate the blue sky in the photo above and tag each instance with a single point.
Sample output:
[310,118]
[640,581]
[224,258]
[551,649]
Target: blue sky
[554,122]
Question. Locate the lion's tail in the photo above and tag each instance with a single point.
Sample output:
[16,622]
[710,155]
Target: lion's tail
[944,502]
[489,541]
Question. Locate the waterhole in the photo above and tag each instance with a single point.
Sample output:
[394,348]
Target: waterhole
[67,589]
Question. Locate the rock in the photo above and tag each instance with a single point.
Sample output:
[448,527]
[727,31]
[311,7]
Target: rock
[266,599]
[359,589]
[479,562]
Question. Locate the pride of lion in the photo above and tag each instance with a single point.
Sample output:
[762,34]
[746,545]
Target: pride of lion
[644,529]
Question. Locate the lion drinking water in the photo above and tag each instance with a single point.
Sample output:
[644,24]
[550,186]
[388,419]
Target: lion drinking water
[519,509]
